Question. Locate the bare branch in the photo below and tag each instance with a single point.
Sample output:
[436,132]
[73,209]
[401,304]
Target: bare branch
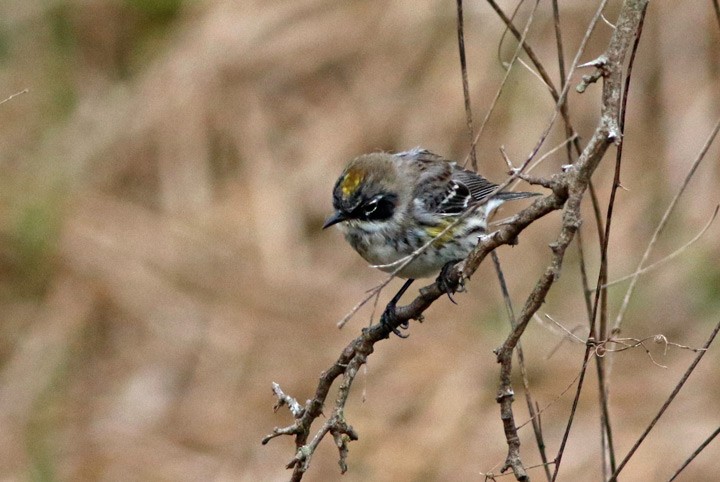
[516,54]
[667,403]
[669,257]
[465,83]
[537,429]
[663,222]
[609,130]
[292,404]
[24,91]
[697,451]
[567,191]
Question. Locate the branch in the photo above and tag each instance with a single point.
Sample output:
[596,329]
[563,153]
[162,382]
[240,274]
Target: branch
[695,453]
[667,403]
[11,97]
[567,191]
[610,66]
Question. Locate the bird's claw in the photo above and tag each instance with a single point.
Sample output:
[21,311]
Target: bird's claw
[390,321]
[446,284]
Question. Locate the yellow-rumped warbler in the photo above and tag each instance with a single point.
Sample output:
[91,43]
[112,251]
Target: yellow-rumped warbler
[390,205]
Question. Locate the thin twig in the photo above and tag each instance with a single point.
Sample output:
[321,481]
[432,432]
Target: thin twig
[583,274]
[465,83]
[539,412]
[373,292]
[568,189]
[568,332]
[295,408]
[24,91]
[631,15]
[697,450]
[493,476]
[601,349]
[540,160]
[669,257]
[500,89]
[569,131]
[609,464]
[667,403]
[661,226]
[535,74]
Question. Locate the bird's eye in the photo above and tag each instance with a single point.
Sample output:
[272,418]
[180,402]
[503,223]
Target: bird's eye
[370,208]
[379,208]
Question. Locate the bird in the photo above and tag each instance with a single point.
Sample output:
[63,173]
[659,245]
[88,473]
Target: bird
[389,206]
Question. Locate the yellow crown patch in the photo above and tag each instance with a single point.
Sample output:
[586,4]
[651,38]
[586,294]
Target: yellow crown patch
[351,182]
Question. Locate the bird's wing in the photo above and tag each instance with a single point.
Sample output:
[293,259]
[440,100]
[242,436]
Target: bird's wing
[442,186]
[462,189]
[479,187]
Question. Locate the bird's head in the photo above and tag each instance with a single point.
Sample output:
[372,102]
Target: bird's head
[366,191]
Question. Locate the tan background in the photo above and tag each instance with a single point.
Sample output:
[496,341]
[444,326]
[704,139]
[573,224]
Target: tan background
[162,188]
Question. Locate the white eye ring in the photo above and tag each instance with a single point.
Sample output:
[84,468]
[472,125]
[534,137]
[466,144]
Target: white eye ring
[371,207]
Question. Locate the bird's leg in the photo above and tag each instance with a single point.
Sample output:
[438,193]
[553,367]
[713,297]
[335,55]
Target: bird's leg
[444,282]
[389,317]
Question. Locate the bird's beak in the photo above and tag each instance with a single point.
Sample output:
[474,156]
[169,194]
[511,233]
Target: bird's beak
[335,218]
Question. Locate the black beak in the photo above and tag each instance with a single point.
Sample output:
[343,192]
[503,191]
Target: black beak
[335,218]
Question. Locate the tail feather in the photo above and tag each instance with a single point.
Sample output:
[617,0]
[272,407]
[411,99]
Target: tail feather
[510,196]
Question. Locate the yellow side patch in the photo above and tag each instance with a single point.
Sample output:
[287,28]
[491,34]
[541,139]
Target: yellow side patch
[351,182]
[435,231]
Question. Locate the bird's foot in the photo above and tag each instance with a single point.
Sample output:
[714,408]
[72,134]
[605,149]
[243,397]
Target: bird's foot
[445,282]
[389,320]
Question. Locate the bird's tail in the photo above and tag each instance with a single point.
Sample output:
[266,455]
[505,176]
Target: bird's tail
[511,196]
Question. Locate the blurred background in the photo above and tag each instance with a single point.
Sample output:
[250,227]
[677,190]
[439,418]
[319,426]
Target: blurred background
[163,183]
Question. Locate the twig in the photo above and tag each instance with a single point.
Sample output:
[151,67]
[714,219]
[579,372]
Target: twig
[537,429]
[583,274]
[373,292]
[568,189]
[561,69]
[631,15]
[493,476]
[292,404]
[669,257]
[539,411]
[465,83]
[697,450]
[524,176]
[24,91]
[601,349]
[667,403]
[516,54]
[607,22]
[534,73]
[608,450]
[569,333]
[663,222]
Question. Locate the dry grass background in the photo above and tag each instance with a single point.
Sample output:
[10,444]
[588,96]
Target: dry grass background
[162,188]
